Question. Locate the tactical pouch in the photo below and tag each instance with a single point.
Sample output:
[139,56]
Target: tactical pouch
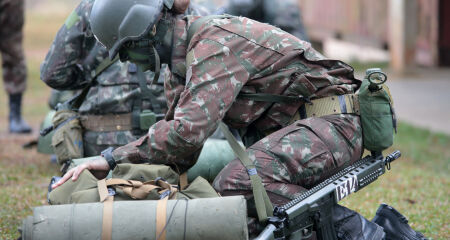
[377,115]
[146,119]
[67,140]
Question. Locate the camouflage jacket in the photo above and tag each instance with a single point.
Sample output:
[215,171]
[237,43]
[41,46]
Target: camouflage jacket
[224,58]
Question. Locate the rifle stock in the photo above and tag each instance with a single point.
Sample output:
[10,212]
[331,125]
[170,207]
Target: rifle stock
[313,209]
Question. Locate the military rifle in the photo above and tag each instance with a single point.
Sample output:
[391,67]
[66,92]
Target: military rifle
[313,209]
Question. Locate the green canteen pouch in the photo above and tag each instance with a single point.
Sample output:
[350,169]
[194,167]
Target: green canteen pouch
[146,119]
[377,114]
[67,140]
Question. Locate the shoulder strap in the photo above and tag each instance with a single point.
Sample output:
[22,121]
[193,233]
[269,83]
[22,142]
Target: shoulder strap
[100,68]
[199,22]
[104,65]
[263,205]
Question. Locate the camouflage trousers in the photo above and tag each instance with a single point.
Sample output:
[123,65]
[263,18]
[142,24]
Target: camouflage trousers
[296,158]
[13,60]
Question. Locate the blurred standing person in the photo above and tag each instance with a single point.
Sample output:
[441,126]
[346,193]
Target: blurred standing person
[13,61]
[283,14]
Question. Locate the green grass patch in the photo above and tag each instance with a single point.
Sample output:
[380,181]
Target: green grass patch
[417,185]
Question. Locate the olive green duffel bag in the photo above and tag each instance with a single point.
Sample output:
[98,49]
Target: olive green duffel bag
[131,182]
[207,218]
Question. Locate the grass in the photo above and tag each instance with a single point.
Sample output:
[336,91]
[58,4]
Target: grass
[417,185]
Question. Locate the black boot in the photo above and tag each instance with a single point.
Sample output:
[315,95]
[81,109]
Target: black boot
[350,225]
[395,224]
[16,123]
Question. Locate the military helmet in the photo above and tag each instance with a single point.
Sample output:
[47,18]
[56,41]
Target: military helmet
[114,22]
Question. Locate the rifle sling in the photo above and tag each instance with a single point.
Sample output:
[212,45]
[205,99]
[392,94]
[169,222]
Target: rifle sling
[103,65]
[263,205]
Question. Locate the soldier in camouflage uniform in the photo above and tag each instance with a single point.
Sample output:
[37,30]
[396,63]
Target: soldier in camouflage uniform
[283,14]
[71,63]
[13,60]
[225,58]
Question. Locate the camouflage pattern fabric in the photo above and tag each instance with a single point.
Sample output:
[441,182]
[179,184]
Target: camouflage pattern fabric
[70,65]
[13,60]
[296,157]
[227,57]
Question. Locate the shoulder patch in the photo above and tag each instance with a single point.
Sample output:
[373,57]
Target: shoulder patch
[72,19]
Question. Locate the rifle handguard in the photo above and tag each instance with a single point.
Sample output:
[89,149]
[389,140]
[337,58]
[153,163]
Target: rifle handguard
[301,213]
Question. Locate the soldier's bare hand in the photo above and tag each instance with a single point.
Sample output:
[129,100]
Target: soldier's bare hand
[98,163]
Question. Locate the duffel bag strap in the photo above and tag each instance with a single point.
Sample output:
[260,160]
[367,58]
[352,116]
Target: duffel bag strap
[263,205]
[168,190]
[134,189]
[107,209]
[140,190]
[183,180]
[161,216]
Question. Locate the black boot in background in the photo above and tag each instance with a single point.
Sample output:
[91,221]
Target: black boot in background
[350,225]
[395,225]
[16,123]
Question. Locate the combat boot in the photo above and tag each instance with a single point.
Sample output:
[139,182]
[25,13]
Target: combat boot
[395,224]
[350,225]
[16,123]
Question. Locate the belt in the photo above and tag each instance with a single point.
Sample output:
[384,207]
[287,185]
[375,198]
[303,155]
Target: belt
[347,103]
[107,123]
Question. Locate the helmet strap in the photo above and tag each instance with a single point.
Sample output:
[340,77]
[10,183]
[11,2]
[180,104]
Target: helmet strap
[163,38]
[157,66]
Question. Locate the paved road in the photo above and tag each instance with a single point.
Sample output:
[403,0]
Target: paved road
[423,99]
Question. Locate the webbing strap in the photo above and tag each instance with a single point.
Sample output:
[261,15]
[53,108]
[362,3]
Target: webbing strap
[157,66]
[107,218]
[183,181]
[265,97]
[108,202]
[100,68]
[102,190]
[139,190]
[104,65]
[199,22]
[263,205]
[161,216]
[146,93]
[347,103]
